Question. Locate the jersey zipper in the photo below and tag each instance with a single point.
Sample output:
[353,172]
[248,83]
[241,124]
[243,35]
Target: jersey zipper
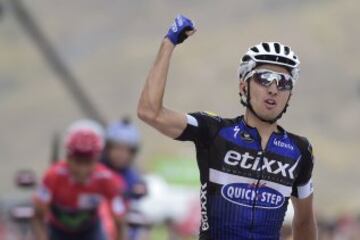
[262,154]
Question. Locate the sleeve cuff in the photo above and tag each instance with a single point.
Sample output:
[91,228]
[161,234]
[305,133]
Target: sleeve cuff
[305,190]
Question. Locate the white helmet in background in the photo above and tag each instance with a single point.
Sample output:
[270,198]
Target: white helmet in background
[269,53]
[123,132]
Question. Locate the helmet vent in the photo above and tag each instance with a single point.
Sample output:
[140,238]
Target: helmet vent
[278,59]
[277,47]
[246,58]
[255,49]
[287,50]
[266,47]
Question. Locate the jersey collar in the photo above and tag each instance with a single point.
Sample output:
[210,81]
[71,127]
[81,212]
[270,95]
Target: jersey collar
[254,133]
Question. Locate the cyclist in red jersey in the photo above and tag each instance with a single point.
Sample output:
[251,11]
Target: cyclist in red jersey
[67,202]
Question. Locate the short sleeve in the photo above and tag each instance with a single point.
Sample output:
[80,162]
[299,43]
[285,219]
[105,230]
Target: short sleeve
[303,186]
[200,128]
[114,192]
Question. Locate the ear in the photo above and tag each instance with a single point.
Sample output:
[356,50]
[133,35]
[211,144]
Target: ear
[242,88]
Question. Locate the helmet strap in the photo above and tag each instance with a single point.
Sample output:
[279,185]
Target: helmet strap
[246,103]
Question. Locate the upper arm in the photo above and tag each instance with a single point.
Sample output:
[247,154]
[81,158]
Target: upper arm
[303,186]
[44,192]
[169,122]
[303,209]
[302,195]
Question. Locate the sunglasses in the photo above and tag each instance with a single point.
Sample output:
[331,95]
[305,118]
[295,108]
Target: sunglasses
[266,78]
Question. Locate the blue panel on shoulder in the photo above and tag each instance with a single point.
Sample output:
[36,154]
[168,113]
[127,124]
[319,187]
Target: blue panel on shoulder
[240,136]
[284,146]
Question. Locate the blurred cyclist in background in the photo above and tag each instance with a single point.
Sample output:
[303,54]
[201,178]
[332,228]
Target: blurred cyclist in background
[67,202]
[121,148]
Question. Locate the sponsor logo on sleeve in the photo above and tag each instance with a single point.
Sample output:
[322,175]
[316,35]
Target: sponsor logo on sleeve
[282,144]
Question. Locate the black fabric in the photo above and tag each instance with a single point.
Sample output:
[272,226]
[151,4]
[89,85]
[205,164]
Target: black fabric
[232,148]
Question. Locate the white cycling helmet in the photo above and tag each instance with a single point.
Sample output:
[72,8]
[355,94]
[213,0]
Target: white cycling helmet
[123,132]
[269,53]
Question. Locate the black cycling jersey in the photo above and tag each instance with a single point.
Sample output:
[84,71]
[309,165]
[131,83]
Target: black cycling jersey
[245,189]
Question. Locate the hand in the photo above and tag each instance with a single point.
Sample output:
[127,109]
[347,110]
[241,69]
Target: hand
[181,29]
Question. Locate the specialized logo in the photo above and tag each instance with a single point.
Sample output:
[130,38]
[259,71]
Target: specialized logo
[246,161]
[249,196]
[281,144]
[236,131]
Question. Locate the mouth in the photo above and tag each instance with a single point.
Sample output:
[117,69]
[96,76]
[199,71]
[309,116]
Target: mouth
[270,103]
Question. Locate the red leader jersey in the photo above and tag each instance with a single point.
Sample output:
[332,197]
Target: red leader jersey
[74,206]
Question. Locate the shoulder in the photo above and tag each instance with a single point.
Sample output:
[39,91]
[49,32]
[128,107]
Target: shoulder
[302,143]
[196,118]
[107,176]
[58,169]
[209,118]
[131,174]
[103,172]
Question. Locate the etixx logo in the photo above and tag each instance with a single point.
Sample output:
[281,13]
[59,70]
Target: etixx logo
[248,195]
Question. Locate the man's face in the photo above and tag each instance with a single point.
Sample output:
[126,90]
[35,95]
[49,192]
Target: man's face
[267,101]
[82,167]
[120,155]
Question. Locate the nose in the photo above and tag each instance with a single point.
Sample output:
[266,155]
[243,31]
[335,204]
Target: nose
[272,89]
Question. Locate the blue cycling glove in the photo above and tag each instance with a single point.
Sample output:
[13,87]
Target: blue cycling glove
[177,32]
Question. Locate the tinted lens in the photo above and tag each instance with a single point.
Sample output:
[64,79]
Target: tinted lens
[283,82]
[262,79]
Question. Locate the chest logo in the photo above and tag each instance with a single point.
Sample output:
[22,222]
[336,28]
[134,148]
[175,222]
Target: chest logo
[272,166]
[248,195]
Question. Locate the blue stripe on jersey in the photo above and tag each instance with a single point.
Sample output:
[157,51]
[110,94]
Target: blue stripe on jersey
[239,137]
[284,146]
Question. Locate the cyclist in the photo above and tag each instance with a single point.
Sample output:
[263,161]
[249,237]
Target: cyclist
[72,190]
[249,166]
[121,148]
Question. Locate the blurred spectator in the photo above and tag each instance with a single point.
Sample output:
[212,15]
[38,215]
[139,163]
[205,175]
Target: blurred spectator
[121,148]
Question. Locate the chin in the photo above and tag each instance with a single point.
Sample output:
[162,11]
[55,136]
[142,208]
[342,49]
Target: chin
[269,117]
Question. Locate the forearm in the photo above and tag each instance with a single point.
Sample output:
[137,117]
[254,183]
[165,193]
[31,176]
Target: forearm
[151,100]
[305,230]
[39,228]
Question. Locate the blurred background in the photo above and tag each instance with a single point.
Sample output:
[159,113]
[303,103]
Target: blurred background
[108,46]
